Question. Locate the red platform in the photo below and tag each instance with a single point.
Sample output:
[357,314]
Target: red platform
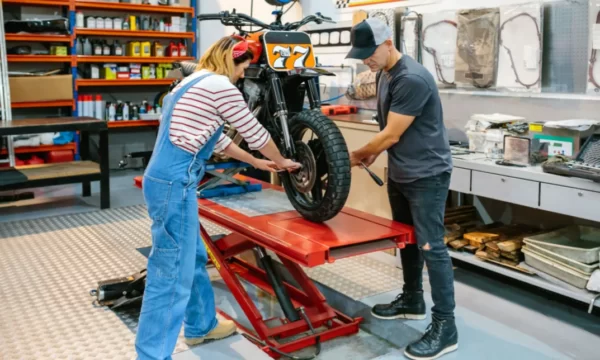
[297,242]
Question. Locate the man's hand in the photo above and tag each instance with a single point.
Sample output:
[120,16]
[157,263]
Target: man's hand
[356,159]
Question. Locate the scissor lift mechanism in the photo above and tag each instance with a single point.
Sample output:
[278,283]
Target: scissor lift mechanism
[297,242]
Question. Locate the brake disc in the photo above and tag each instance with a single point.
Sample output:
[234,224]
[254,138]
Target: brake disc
[304,179]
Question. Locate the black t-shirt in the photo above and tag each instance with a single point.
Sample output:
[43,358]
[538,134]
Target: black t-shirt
[423,150]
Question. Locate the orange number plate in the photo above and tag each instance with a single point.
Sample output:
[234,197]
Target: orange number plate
[289,50]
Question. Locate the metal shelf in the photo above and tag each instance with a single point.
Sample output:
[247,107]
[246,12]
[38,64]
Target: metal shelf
[133,7]
[41,148]
[541,281]
[102,82]
[139,33]
[38,58]
[130,59]
[38,2]
[132,124]
[38,38]
[42,104]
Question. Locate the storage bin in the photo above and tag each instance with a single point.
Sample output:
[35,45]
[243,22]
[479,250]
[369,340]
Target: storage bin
[552,268]
[578,243]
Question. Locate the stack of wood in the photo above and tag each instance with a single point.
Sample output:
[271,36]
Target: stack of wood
[459,220]
[501,244]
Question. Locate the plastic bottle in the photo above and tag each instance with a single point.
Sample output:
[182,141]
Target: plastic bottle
[79,20]
[79,47]
[80,105]
[112,112]
[125,111]
[162,25]
[90,106]
[135,112]
[98,48]
[126,25]
[106,49]
[158,109]
[119,110]
[87,47]
[99,108]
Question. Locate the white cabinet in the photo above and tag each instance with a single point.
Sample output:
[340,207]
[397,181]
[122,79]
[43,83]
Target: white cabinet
[569,201]
[505,188]
[460,180]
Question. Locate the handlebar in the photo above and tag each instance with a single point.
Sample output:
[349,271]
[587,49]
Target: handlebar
[241,20]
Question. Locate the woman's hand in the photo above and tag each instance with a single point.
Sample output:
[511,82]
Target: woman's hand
[288,165]
[266,165]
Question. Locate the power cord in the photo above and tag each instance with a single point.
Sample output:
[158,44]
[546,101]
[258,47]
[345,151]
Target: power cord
[285,355]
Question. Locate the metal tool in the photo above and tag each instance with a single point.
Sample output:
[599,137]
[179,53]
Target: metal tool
[375,178]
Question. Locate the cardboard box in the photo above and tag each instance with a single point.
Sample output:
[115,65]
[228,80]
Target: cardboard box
[41,88]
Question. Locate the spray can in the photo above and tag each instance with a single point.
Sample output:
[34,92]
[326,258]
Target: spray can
[99,108]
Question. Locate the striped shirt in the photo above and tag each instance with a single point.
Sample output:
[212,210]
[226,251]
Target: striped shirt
[207,105]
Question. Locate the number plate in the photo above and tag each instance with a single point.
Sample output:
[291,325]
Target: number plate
[289,50]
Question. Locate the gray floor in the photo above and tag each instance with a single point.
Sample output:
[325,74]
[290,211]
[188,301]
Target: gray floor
[496,320]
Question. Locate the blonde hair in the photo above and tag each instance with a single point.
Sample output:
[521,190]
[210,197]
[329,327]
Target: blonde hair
[218,58]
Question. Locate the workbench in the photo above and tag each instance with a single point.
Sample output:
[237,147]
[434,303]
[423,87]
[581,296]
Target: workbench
[297,243]
[473,174]
[84,171]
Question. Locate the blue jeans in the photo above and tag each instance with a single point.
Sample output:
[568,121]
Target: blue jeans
[178,288]
[422,204]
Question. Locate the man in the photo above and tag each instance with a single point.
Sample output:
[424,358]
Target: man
[410,116]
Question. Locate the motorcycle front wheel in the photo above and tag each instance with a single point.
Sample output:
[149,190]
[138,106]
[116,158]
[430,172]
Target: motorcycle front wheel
[320,189]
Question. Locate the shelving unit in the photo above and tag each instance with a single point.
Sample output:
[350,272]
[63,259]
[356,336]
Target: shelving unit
[129,82]
[38,38]
[132,124]
[69,9]
[134,7]
[39,2]
[38,59]
[129,59]
[43,104]
[41,148]
[137,33]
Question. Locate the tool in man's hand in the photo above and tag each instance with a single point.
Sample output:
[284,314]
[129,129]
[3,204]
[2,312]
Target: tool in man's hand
[375,178]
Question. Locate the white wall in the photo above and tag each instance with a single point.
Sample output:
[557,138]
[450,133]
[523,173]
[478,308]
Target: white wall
[211,31]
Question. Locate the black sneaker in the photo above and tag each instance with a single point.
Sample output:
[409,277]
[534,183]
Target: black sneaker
[409,305]
[440,338]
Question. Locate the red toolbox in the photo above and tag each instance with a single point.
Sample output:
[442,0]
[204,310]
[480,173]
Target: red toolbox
[338,109]
[59,156]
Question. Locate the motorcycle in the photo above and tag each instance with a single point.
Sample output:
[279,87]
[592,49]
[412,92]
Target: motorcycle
[282,74]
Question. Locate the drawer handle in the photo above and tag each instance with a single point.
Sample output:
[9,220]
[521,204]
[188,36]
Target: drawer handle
[580,194]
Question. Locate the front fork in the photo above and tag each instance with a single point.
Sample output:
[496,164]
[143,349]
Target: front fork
[281,112]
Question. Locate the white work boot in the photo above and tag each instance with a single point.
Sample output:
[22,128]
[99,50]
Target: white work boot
[224,329]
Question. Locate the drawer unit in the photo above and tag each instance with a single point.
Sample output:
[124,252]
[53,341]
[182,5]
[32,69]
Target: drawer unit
[460,180]
[505,188]
[569,201]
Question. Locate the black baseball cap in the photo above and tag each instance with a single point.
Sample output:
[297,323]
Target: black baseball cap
[366,36]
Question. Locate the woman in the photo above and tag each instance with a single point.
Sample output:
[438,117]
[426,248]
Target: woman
[178,288]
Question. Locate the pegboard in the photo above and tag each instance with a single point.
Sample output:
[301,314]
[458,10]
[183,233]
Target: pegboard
[566,39]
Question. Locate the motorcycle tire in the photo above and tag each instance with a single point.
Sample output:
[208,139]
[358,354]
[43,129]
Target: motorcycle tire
[336,163]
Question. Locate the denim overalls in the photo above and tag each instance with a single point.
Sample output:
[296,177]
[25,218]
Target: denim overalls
[178,288]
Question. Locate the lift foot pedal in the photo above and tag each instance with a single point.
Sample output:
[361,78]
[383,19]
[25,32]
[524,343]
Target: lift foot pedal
[119,292]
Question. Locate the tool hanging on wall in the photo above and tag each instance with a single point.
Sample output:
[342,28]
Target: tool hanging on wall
[513,65]
[438,67]
[592,64]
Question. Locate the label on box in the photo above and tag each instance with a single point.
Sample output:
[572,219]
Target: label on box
[536,127]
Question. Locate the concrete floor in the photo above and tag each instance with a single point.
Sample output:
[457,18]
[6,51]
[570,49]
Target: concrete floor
[496,320]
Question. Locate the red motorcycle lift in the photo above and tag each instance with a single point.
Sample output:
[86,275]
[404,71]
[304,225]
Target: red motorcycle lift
[297,242]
